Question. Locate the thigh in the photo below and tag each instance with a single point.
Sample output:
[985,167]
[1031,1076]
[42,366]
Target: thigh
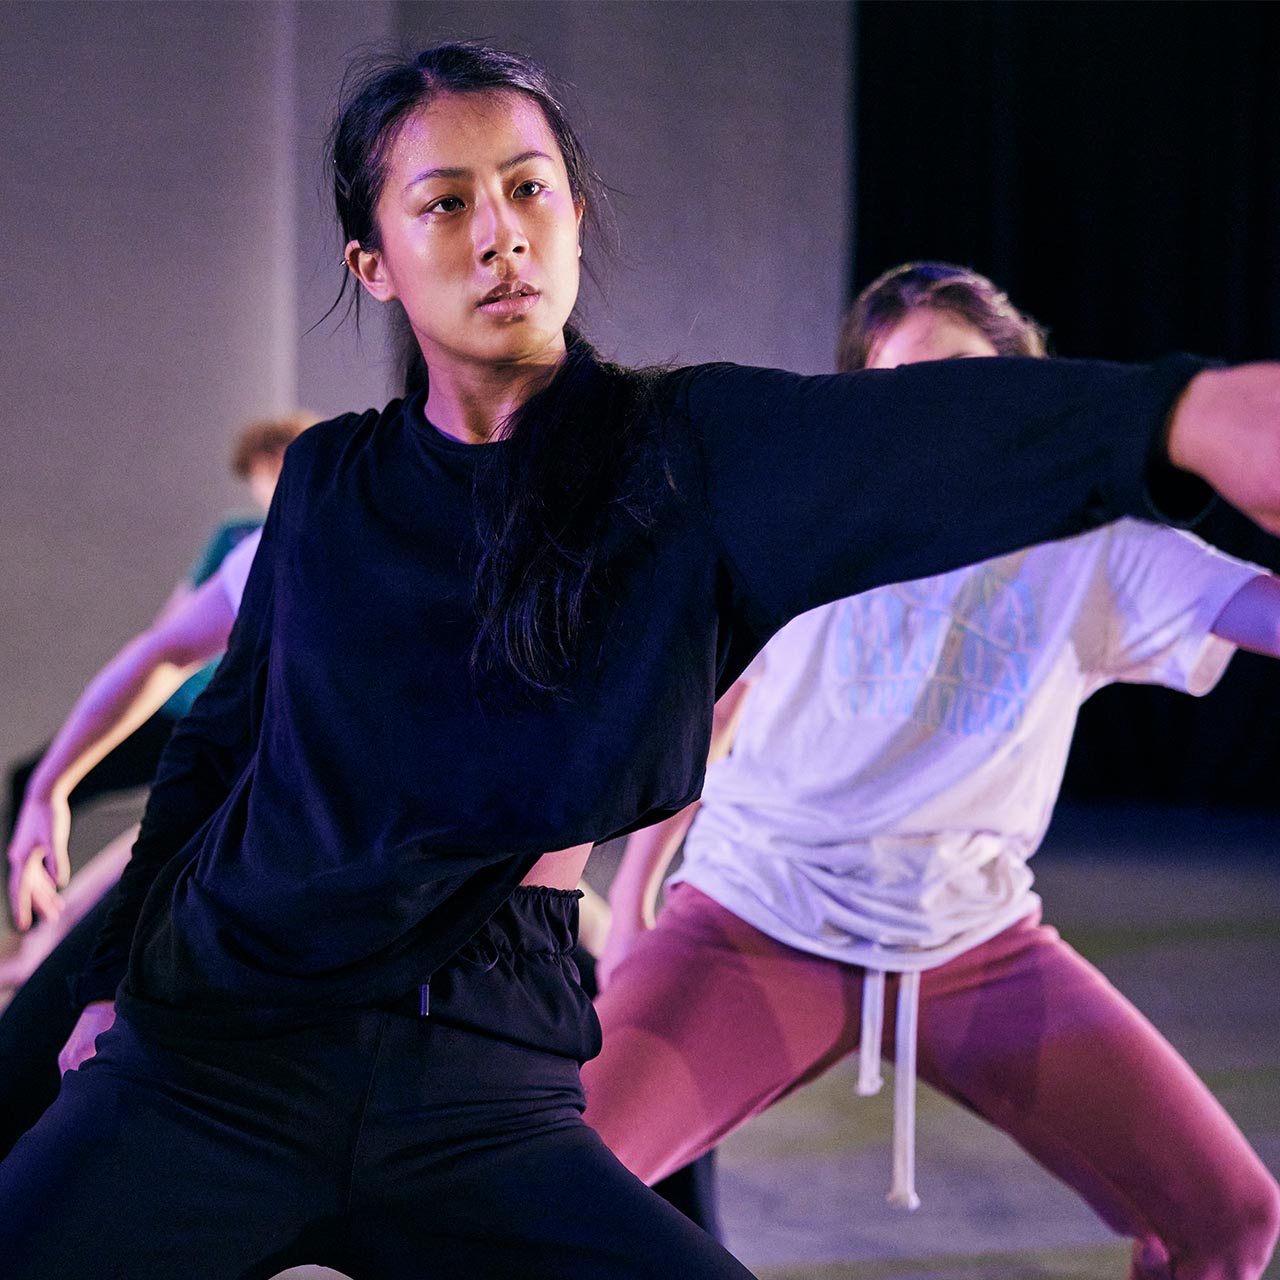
[560,1206]
[34,1027]
[1031,1036]
[691,1188]
[706,1023]
[474,1161]
[151,1165]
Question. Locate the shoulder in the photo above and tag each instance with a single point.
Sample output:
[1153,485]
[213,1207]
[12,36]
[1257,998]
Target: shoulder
[231,531]
[328,439]
[322,449]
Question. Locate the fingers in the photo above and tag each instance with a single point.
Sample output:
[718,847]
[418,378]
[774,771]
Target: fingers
[19,898]
[42,893]
[83,1042]
[32,892]
[32,840]
[59,817]
[57,864]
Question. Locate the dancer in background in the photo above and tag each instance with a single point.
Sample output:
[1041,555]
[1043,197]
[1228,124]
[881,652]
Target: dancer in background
[114,730]
[36,1024]
[81,764]
[895,766]
[483,631]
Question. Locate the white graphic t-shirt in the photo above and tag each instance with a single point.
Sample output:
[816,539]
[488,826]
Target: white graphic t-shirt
[898,759]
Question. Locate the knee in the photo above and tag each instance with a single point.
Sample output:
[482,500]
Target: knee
[1260,1227]
[1245,1236]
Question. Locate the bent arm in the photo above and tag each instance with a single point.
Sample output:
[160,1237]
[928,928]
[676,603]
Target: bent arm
[816,488]
[1251,618]
[134,685]
[127,691]
[207,753]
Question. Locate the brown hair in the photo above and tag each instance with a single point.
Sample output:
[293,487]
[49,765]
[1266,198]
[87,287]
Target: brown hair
[940,286]
[266,439]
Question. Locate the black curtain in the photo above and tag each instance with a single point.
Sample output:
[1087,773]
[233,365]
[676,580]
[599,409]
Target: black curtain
[1116,167]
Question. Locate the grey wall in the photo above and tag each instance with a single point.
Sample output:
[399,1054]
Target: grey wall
[147,311]
[169,246]
[161,214]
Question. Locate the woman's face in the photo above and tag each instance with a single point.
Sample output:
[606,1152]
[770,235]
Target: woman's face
[478,230]
[926,334]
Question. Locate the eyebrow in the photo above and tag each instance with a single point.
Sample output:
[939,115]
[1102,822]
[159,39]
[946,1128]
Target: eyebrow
[454,172]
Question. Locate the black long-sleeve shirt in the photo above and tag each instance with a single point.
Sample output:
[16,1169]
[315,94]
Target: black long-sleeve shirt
[339,812]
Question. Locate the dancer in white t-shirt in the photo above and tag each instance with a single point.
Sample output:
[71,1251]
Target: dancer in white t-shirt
[895,765]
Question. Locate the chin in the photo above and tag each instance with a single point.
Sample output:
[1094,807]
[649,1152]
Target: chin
[522,342]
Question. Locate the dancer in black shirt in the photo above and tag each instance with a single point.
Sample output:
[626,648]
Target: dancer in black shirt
[349,1031]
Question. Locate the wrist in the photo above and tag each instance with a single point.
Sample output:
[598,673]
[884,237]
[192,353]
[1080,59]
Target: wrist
[41,789]
[1183,437]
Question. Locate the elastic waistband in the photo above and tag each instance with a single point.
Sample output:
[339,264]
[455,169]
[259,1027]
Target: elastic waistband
[533,919]
[515,979]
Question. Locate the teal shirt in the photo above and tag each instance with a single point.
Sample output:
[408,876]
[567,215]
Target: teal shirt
[230,533]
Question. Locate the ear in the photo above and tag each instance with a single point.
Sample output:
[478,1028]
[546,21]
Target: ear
[369,268]
[579,208]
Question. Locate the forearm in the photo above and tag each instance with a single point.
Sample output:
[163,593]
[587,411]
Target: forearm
[135,684]
[1223,428]
[633,895]
[1251,618]
[123,695]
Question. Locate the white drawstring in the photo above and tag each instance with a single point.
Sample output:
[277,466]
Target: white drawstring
[902,1194]
[870,1080]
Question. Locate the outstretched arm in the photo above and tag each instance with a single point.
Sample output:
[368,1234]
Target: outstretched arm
[819,488]
[1251,618]
[633,895]
[129,689]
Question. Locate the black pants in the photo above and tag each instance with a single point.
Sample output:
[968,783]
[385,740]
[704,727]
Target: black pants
[389,1145]
[131,763]
[35,1025]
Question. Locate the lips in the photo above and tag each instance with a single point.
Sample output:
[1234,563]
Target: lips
[513,289]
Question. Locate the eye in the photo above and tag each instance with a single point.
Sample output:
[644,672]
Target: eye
[530,187]
[446,204]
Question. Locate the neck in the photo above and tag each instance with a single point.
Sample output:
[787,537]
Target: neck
[470,401]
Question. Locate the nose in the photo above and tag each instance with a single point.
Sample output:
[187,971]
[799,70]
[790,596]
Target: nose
[499,233]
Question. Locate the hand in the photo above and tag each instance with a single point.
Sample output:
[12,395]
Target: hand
[624,932]
[93,1021]
[38,861]
[1226,429]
